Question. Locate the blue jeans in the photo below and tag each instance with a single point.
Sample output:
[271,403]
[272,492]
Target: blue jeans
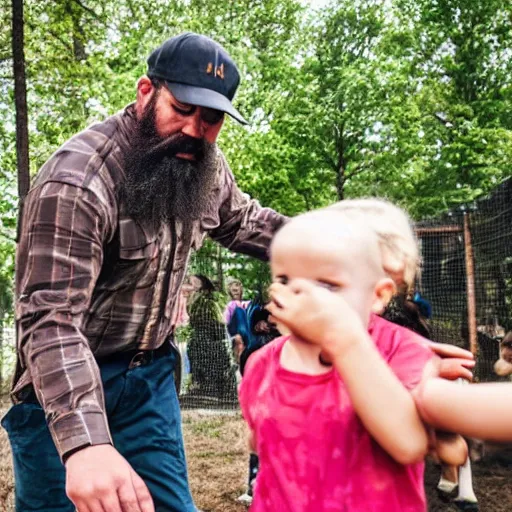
[145,423]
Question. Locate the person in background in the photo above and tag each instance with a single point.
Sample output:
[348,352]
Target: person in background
[235,292]
[262,332]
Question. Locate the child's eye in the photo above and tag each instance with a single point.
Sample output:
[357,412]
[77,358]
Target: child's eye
[282,279]
[332,287]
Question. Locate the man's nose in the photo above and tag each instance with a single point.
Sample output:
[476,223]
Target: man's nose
[194,126]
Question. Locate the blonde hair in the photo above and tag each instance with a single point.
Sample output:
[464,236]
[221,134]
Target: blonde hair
[393,228]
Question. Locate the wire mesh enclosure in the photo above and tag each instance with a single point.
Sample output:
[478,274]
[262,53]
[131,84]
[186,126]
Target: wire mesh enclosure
[467,276]
[210,355]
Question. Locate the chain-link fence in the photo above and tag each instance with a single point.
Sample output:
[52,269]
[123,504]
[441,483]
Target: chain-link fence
[210,354]
[467,275]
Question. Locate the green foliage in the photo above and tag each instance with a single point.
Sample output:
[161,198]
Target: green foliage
[406,99]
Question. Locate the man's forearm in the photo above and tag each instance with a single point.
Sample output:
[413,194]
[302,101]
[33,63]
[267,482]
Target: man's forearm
[67,383]
[252,232]
[242,225]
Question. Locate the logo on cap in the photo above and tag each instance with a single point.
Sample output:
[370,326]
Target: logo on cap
[217,71]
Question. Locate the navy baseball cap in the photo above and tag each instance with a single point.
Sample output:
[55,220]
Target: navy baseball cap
[198,71]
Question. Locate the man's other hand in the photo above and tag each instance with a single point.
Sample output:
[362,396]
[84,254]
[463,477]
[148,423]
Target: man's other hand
[99,479]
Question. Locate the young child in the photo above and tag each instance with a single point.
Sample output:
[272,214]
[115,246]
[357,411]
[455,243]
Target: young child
[330,407]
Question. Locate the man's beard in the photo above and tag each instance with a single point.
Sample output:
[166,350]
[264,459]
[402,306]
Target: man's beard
[159,186]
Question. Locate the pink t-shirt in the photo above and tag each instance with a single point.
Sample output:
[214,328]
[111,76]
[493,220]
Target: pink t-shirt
[315,454]
[231,306]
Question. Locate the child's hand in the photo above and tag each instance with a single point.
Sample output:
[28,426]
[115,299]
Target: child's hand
[316,315]
[454,363]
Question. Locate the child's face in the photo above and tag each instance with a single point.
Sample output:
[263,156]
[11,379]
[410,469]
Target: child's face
[344,261]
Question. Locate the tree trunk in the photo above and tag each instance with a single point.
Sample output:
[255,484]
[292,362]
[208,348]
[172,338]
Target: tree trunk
[341,166]
[340,183]
[20,102]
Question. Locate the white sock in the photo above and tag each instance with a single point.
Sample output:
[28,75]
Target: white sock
[446,485]
[466,492]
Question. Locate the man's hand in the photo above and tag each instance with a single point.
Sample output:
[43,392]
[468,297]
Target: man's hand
[316,315]
[99,479]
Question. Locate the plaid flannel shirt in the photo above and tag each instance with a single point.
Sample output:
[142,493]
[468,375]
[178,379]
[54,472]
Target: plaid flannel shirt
[91,281]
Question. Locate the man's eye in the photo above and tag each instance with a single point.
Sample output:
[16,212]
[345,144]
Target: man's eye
[211,116]
[184,110]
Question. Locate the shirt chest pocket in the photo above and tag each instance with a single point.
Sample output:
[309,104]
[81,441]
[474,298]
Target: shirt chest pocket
[138,254]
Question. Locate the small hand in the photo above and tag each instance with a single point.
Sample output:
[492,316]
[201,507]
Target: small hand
[316,315]
[453,362]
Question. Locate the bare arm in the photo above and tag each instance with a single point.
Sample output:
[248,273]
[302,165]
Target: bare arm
[477,410]
[385,407]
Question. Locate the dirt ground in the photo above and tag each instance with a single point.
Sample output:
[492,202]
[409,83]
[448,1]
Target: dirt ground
[217,459]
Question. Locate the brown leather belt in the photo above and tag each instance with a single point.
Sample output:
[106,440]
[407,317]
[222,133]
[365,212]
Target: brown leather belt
[135,358]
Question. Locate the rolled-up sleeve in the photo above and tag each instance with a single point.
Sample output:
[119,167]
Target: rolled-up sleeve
[59,258]
[245,226]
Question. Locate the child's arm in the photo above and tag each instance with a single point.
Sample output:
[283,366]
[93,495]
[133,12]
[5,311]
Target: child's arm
[384,405]
[478,410]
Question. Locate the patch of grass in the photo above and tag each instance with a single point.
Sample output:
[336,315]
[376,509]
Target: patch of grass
[209,427]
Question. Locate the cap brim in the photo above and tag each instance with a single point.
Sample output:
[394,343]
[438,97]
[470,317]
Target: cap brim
[204,98]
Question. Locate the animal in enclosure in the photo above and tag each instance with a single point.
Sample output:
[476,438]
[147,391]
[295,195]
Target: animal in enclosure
[503,366]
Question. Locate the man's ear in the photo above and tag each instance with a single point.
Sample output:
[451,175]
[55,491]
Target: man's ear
[145,90]
[385,289]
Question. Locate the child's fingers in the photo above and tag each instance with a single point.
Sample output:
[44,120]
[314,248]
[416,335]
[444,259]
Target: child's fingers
[447,350]
[280,295]
[278,312]
[275,288]
[453,368]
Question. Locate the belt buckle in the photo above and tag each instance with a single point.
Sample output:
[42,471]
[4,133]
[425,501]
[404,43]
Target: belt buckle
[138,360]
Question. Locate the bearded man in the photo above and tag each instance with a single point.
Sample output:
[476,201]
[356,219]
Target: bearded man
[106,235]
